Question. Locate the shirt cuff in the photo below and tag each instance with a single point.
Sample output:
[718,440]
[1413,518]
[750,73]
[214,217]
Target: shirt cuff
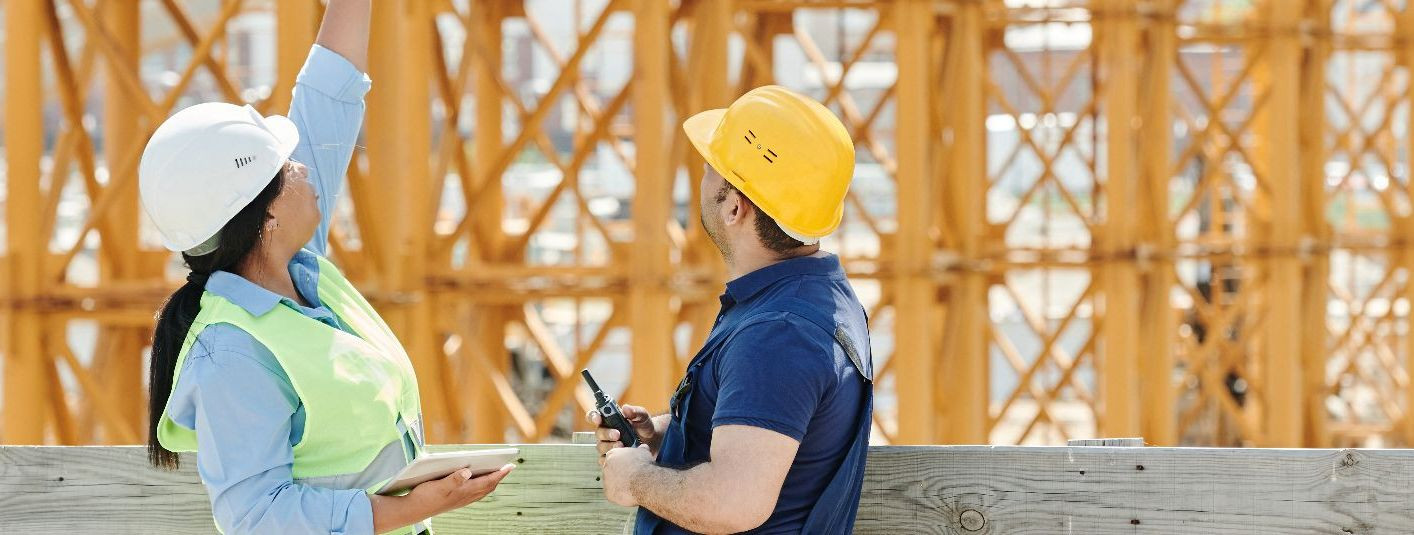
[329,73]
[358,516]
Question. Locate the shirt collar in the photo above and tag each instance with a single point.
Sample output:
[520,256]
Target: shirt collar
[257,300]
[245,294]
[750,284]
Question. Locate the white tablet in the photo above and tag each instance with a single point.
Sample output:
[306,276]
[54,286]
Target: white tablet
[440,465]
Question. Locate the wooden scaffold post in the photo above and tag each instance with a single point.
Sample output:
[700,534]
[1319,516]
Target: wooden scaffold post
[1118,37]
[26,387]
[650,306]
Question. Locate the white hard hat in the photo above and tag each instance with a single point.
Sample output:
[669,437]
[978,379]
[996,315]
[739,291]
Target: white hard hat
[206,163]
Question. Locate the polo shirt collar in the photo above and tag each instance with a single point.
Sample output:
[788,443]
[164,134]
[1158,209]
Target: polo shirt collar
[750,284]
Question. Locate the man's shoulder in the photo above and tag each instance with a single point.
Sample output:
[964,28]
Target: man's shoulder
[824,304]
[777,342]
[775,323]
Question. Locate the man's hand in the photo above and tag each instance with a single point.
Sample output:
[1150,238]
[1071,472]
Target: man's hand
[621,467]
[643,425]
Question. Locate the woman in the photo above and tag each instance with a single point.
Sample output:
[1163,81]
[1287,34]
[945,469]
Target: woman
[293,392]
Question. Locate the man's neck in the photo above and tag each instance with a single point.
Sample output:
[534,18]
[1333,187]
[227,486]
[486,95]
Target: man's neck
[743,265]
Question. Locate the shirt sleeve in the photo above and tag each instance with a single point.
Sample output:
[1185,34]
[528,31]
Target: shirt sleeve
[241,411]
[327,107]
[773,375]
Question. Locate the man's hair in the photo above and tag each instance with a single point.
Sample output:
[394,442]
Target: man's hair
[770,233]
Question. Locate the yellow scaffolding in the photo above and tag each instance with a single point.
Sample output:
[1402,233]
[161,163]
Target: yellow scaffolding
[1187,220]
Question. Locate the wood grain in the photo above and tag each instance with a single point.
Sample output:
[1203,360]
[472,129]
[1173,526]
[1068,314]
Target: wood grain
[1135,442]
[1104,490]
[962,490]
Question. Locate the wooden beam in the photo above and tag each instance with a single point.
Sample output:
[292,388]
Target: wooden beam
[1317,270]
[488,415]
[964,489]
[121,362]
[650,311]
[25,384]
[964,362]
[399,155]
[1158,322]
[915,295]
[295,25]
[1117,36]
[1282,402]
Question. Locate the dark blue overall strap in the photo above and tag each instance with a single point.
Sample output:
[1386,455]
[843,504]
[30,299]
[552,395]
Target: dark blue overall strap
[832,513]
[825,320]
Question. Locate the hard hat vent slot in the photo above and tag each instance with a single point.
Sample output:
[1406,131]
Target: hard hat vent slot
[750,140]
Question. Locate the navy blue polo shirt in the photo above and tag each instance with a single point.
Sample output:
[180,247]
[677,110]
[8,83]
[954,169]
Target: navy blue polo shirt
[778,371]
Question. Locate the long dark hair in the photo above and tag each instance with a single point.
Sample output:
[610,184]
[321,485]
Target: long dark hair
[239,238]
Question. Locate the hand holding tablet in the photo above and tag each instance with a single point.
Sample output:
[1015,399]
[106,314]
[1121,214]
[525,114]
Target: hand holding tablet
[440,465]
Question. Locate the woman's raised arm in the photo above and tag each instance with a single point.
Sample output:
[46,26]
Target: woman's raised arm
[328,107]
[344,30]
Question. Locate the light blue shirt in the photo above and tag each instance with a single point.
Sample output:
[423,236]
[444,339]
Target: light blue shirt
[232,391]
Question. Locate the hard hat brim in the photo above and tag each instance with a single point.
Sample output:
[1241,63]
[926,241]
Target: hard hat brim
[286,133]
[700,129]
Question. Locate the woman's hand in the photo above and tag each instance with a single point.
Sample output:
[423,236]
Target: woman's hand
[459,489]
[434,498]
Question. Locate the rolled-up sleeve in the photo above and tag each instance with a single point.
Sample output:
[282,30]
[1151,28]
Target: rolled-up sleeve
[327,107]
[241,411]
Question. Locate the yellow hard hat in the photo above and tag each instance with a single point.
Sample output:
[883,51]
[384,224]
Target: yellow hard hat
[786,152]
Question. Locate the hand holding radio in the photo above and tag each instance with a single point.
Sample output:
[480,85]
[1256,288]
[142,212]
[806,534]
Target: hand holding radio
[619,426]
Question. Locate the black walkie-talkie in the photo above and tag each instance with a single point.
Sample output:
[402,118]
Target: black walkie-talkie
[609,413]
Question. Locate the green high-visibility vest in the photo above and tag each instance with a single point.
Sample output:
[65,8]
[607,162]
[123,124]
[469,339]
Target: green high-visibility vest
[359,392]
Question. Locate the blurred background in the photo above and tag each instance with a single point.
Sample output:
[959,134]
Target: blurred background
[1186,220]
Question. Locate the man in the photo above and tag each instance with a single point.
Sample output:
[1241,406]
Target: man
[769,429]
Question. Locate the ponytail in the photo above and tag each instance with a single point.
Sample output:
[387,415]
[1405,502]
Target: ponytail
[239,239]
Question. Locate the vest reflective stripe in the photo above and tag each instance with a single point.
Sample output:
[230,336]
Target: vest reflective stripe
[391,459]
[359,392]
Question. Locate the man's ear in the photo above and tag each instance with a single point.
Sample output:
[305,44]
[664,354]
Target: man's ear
[735,208]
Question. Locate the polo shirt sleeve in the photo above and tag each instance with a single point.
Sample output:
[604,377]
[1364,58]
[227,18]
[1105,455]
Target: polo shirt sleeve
[773,374]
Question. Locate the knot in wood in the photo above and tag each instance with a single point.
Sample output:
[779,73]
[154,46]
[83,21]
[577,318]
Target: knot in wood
[972,520]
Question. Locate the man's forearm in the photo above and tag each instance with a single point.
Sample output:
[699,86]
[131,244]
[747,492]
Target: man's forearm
[692,498]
